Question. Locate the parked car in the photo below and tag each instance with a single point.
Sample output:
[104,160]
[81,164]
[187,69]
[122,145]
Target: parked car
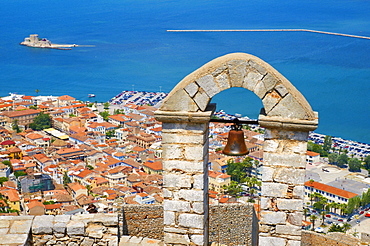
[328,216]
[341,220]
[367,215]
[366,209]
[362,212]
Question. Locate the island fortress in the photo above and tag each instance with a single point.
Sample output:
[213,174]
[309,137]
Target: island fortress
[34,41]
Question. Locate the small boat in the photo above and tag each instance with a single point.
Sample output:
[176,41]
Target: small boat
[91,95]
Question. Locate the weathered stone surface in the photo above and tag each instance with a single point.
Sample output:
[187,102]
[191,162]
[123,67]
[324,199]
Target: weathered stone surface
[293,243]
[62,218]
[43,224]
[177,180]
[150,242]
[60,227]
[198,207]
[223,82]
[281,90]
[298,192]
[186,166]
[251,80]
[176,206]
[20,226]
[14,239]
[258,67]
[87,242]
[284,160]
[197,239]
[271,241]
[191,220]
[273,218]
[269,81]
[289,175]
[4,223]
[201,99]
[208,84]
[106,220]
[174,151]
[237,72]
[194,152]
[198,181]
[274,189]
[169,218]
[267,173]
[290,204]
[260,89]
[192,195]
[265,203]
[295,218]
[175,230]
[270,100]
[219,70]
[288,229]
[176,238]
[95,231]
[187,104]
[167,193]
[185,138]
[192,89]
[75,228]
[289,107]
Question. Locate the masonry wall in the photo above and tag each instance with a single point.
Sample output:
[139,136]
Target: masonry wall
[335,238]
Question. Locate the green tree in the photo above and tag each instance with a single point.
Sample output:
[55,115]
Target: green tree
[42,121]
[15,126]
[239,170]
[9,164]
[66,179]
[354,165]
[19,173]
[342,160]
[118,111]
[333,158]
[105,114]
[106,105]
[234,189]
[367,162]
[327,143]
[48,202]
[110,134]
[33,107]
[2,180]
[313,218]
[316,148]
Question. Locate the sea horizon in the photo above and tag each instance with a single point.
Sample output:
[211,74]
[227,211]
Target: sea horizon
[132,50]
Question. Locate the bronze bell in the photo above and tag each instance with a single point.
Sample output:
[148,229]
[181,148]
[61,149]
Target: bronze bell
[235,143]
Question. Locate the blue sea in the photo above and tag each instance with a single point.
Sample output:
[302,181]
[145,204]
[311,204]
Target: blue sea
[132,50]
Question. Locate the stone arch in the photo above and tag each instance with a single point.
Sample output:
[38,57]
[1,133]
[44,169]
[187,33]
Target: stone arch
[185,115]
[279,97]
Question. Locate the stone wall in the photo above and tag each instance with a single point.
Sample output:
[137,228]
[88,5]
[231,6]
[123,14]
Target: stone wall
[335,238]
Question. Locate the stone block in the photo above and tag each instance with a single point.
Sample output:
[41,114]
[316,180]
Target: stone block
[187,103]
[185,166]
[177,180]
[289,107]
[251,80]
[172,238]
[173,151]
[237,72]
[293,243]
[288,229]
[273,218]
[290,204]
[201,99]
[166,192]
[14,239]
[168,218]
[175,230]
[20,227]
[4,223]
[271,145]
[208,84]
[191,89]
[60,227]
[75,228]
[197,239]
[198,181]
[265,203]
[223,82]
[192,195]
[184,128]
[289,175]
[135,239]
[281,134]
[176,206]
[298,192]
[295,218]
[260,90]
[183,139]
[198,207]
[87,242]
[257,67]
[274,189]
[106,219]
[270,81]
[150,242]
[270,100]
[43,224]
[194,152]
[3,231]
[267,173]
[281,90]
[271,241]
[284,160]
[96,231]
[191,220]
[219,70]
[62,218]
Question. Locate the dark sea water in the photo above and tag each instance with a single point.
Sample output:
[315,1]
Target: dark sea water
[132,50]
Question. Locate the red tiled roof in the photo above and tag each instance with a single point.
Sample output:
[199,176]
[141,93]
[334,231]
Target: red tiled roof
[330,189]
[311,153]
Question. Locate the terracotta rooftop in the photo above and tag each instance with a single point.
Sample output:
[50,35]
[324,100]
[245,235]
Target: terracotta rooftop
[330,189]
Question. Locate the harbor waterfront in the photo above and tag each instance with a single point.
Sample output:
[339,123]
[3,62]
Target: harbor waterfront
[131,49]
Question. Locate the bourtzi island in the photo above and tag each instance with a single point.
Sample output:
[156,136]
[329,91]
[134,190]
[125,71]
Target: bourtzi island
[34,41]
